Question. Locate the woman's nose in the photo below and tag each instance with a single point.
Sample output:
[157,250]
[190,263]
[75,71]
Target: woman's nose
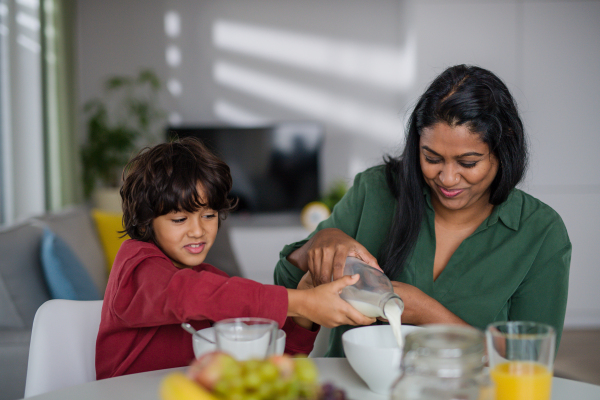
[449,176]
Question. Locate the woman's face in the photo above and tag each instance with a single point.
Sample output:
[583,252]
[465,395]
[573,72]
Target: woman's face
[186,237]
[457,165]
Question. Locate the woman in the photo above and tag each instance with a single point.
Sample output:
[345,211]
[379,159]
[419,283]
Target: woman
[444,220]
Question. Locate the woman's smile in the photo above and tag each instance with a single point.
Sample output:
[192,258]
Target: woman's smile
[450,193]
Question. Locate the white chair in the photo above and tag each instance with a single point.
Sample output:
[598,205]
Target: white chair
[63,345]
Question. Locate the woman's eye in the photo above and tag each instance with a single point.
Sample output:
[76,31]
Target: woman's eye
[432,160]
[467,164]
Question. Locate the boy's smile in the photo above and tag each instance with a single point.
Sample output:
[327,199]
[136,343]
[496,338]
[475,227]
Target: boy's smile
[186,237]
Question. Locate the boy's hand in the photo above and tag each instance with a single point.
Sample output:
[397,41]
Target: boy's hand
[324,306]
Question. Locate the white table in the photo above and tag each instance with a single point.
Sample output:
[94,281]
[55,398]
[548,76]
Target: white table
[336,370]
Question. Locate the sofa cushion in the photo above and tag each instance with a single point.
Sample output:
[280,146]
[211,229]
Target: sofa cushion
[75,226]
[21,277]
[66,276]
[109,224]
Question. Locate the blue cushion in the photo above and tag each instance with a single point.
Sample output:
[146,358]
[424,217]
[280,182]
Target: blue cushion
[66,276]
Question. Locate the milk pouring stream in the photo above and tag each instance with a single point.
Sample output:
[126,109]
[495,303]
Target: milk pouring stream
[373,295]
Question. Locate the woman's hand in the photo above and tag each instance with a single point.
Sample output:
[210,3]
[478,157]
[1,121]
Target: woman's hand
[420,309]
[324,306]
[324,255]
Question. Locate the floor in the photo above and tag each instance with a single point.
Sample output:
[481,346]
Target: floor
[578,357]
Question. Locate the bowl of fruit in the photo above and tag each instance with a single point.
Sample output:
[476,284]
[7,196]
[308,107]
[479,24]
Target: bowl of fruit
[219,376]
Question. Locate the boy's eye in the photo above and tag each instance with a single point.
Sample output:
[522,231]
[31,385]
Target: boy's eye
[178,220]
[210,216]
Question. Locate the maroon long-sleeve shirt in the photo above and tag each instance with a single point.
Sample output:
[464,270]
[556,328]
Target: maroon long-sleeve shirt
[147,299]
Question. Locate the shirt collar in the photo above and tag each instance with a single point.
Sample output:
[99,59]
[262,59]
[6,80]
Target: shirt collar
[509,212]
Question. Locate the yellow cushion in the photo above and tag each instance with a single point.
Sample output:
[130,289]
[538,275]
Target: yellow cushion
[109,224]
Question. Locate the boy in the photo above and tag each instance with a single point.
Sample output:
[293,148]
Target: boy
[174,197]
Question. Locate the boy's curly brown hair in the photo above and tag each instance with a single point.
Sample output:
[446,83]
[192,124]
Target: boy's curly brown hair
[164,178]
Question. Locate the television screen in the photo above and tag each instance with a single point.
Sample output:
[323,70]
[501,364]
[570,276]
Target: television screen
[274,168]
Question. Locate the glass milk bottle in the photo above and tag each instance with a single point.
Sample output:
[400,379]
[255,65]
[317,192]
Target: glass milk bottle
[373,295]
[443,362]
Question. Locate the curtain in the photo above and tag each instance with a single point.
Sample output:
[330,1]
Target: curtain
[60,111]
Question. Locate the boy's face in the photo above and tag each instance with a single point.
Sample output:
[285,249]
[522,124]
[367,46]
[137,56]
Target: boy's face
[186,237]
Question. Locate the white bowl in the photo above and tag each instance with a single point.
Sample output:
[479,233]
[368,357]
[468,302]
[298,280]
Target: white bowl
[373,353]
[202,346]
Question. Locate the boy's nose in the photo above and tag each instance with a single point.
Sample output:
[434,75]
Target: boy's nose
[196,229]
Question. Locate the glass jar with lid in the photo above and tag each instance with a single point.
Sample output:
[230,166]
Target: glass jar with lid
[443,362]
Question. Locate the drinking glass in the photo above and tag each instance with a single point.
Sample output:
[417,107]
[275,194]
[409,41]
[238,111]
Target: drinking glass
[521,358]
[246,338]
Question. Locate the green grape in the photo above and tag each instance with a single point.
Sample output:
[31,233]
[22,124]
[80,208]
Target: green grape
[293,388]
[252,380]
[279,386]
[236,384]
[231,370]
[236,396]
[250,365]
[306,371]
[221,387]
[268,371]
[251,396]
[265,391]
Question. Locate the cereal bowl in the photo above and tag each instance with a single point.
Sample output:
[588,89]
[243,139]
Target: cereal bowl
[374,355]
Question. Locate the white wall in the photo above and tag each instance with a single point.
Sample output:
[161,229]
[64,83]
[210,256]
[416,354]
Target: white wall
[546,51]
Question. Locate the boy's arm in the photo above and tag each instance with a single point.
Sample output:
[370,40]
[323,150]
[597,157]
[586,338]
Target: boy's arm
[155,292]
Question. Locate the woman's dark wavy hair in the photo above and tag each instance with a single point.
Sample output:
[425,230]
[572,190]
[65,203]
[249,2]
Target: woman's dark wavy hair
[164,178]
[461,95]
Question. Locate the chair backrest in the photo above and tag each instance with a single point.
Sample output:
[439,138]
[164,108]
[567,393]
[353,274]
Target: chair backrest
[63,345]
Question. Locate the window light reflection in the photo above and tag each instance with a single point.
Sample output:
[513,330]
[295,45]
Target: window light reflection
[172,24]
[174,87]
[29,44]
[384,67]
[345,112]
[173,56]
[235,115]
[32,4]
[27,21]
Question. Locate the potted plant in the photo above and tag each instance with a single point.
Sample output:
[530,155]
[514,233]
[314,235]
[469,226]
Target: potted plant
[127,119]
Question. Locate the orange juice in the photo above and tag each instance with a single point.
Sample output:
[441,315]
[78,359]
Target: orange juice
[521,380]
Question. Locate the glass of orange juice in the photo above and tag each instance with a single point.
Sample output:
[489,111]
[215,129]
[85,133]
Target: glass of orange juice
[521,358]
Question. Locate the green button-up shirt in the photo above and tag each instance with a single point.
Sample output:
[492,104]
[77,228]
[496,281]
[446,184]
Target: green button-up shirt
[515,266]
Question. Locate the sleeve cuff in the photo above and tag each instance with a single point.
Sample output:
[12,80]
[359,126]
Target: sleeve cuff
[298,339]
[287,274]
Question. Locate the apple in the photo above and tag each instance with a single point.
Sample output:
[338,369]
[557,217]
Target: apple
[285,364]
[211,367]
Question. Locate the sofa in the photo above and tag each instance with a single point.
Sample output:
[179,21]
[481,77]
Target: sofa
[24,284]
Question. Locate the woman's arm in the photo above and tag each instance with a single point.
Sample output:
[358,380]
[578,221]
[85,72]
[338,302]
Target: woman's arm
[542,296]
[421,309]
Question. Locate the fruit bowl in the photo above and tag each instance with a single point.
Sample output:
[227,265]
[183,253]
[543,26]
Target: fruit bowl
[218,376]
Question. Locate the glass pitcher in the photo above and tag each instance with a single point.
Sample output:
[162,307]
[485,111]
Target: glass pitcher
[373,294]
[443,362]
